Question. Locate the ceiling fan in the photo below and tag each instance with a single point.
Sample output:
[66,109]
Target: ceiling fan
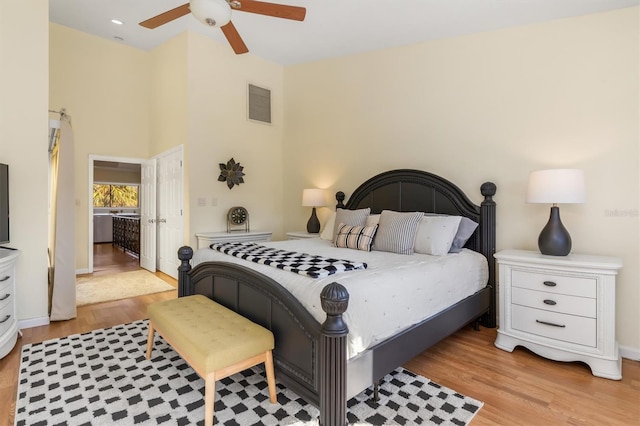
[217,13]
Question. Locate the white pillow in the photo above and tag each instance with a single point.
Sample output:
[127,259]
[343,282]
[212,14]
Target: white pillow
[435,234]
[327,232]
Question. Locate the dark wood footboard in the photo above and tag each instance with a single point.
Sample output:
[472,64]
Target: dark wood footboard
[310,358]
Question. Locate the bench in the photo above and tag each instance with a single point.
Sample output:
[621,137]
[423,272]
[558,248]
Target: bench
[215,341]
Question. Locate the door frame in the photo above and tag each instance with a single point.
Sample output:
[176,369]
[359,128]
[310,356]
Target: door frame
[92,159]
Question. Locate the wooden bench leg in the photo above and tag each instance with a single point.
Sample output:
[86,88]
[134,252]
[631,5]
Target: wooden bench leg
[209,396]
[150,340]
[271,378]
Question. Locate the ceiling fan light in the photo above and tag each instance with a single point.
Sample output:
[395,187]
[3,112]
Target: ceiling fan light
[215,13]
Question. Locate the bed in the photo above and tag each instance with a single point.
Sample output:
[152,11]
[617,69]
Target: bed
[311,353]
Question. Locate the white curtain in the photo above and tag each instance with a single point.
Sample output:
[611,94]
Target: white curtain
[62,257]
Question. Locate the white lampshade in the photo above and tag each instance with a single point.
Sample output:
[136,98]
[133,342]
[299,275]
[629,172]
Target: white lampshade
[313,198]
[556,186]
[215,13]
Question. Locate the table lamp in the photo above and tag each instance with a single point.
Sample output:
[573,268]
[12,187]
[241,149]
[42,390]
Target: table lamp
[313,198]
[555,186]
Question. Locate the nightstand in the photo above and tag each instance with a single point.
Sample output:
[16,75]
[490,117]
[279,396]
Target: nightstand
[301,235]
[560,307]
[205,239]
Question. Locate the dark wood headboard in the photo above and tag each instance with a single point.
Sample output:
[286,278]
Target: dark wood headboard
[408,190]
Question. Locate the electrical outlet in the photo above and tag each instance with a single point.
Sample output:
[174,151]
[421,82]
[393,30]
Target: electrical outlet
[214,201]
[202,202]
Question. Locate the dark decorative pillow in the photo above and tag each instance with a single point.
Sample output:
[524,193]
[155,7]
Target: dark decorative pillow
[397,231]
[351,218]
[355,237]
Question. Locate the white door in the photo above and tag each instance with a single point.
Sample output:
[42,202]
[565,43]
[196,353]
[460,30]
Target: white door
[148,215]
[169,211]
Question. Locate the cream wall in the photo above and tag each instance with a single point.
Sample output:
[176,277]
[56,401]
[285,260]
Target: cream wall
[24,44]
[489,106]
[105,88]
[219,130]
[168,96]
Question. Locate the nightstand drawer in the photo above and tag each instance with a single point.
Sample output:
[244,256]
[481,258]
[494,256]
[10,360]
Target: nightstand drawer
[566,328]
[561,303]
[554,283]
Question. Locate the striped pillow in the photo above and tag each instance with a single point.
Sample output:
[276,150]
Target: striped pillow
[397,231]
[350,217]
[355,237]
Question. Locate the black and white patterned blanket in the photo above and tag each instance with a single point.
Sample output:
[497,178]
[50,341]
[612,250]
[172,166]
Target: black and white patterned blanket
[300,263]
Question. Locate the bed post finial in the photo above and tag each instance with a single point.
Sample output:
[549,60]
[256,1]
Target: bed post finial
[333,356]
[488,245]
[340,198]
[185,253]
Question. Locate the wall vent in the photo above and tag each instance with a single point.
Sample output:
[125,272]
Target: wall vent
[259,104]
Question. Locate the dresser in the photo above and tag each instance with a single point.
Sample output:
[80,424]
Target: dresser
[560,307]
[205,239]
[8,321]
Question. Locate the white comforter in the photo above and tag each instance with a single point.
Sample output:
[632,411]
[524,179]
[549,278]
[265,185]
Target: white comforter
[394,292]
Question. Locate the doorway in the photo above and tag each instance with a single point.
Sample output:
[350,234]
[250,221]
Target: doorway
[160,223]
[116,209]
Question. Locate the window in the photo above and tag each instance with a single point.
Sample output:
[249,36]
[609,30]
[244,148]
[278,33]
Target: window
[114,195]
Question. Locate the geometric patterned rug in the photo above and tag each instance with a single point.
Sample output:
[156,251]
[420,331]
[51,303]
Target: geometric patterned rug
[103,378]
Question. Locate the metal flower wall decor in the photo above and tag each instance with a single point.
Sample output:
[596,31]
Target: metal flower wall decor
[231,173]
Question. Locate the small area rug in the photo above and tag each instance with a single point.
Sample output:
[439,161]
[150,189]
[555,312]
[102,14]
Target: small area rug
[122,285]
[103,378]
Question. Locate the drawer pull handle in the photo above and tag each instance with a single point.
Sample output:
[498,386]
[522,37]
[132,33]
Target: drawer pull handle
[549,302]
[550,323]
[5,297]
[5,319]
[549,283]
[3,279]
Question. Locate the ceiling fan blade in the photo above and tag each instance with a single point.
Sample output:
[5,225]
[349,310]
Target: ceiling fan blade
[165,17]
[234,38]
[270,9]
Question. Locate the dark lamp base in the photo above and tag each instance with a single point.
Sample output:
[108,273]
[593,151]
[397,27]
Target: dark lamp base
[313,225]
[554,240]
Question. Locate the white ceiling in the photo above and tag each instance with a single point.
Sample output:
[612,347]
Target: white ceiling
[332,28]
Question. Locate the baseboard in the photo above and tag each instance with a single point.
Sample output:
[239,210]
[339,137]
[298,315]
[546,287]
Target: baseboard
[82,271]
[33,322]
[630,353]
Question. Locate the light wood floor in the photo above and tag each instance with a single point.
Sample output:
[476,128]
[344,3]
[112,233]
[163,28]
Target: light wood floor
[518,388]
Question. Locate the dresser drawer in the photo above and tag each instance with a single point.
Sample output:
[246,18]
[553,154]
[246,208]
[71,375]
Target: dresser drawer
[555,283]
[567,328]
[6,296]
[561,303]
[7,318]
[6,275]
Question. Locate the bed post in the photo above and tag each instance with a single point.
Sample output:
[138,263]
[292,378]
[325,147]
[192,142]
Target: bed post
[333,356]
[488,246]
[185,253]
[340,199]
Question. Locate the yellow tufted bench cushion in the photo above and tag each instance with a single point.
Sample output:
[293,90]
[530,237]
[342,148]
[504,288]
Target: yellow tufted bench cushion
[215,341]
